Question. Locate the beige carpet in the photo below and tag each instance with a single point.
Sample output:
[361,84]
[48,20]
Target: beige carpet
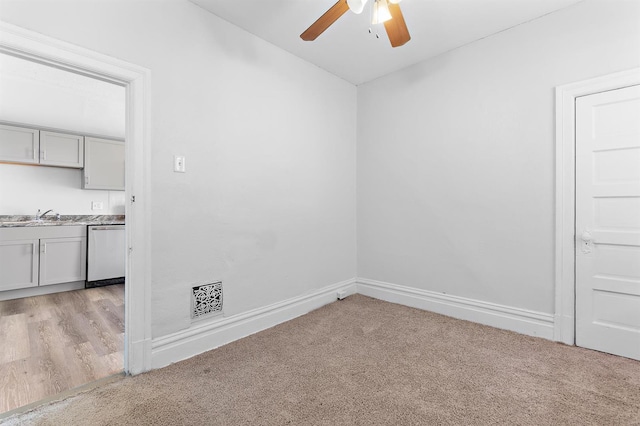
[365,362]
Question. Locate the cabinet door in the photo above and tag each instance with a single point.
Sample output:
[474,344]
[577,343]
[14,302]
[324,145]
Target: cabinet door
[18,264]
[19,144]
[61,149]
[63,260]
[103,164]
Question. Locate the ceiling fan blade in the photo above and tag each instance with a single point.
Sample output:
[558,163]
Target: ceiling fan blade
[396,27]
[325,21]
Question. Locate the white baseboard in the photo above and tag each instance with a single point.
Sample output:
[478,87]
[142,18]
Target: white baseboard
[206,336]
[203,337]
[505,317]
[40,290]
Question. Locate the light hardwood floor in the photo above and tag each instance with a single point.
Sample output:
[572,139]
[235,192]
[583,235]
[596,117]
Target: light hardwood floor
[56,342]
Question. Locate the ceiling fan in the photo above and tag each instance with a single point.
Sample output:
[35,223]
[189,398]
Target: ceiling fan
[383,11]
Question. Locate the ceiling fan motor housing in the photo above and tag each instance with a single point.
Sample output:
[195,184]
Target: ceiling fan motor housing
[394,23]
[356,6]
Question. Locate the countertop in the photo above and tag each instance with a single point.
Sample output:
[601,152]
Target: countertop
[8,221]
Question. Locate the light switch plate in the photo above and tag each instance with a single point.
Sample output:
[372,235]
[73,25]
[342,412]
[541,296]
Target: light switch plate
[179,164]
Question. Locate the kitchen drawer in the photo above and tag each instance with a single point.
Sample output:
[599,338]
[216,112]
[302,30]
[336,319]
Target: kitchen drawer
[36,232]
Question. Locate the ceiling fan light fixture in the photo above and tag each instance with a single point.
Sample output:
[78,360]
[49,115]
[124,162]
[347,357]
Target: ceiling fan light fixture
[356,6]
[380,12]
[394,1]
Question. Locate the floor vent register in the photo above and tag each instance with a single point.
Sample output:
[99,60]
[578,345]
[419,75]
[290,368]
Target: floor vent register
[206,300]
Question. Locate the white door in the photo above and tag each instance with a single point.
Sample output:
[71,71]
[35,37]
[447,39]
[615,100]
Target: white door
[608,222]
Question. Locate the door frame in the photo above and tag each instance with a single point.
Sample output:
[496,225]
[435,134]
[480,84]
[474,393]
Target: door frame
[565,291]
[34,46]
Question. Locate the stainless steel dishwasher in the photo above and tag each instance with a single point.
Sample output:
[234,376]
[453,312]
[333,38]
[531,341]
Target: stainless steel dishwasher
[106,255]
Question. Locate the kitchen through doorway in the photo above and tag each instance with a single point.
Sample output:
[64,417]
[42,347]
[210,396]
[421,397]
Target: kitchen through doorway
[60,328]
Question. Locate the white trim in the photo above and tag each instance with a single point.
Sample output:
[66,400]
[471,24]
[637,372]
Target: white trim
[564,330]
[202,337]
[219,331]
[500,316]
[27,44]
[40,290]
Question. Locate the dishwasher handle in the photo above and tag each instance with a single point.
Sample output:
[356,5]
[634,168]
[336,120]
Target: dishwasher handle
[106,228]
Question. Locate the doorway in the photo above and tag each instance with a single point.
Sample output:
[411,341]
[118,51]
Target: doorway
[58,335]
[608,221]
[597,237]
[36,47]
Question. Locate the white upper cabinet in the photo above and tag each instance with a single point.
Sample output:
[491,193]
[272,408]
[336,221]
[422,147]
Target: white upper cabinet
[33,146]
[61,149]
[19,144]
[103,164]
[102,160]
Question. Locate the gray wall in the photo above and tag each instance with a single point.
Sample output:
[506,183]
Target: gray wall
[456,156]
[268,201]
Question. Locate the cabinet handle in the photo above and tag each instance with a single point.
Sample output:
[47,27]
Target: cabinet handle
[86,180]
[44,154]
[44,248]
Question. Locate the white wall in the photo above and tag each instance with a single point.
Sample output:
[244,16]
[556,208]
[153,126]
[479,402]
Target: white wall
[40,95]
[25,189]
[456,156]
[268,201]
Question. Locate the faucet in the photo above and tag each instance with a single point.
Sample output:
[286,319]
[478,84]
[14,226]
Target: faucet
[40,216]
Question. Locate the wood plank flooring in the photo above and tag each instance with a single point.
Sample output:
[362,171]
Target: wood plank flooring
[56,342]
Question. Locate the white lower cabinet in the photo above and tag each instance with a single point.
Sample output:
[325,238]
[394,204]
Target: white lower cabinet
[63,260]
[40,256]
[18,264]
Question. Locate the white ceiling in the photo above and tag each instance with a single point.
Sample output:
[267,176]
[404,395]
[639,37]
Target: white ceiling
[347,49]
